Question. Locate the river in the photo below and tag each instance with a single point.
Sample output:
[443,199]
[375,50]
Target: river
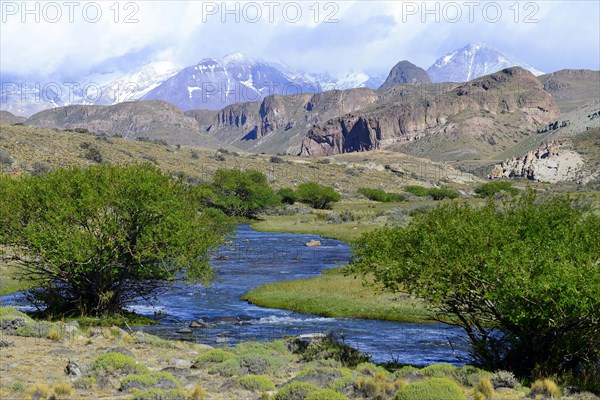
[255,258]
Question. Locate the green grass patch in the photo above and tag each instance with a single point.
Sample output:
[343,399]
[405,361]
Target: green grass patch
[335,295]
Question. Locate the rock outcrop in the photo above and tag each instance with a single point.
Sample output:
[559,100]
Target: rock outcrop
[406,72]
[403,119]
[549,163]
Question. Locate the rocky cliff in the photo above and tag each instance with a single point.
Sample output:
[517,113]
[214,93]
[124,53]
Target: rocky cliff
[551,162]
[438,113]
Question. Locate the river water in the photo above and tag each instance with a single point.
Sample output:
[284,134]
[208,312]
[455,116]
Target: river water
[255,258]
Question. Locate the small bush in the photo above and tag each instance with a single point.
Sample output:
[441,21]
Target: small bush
[227,368]
[485,387]
[5,159]
[256,383]
[215,356]
[157,394]
[326,394]
[505,379]
[92,152]
[324,161]
[442,193]
[545,387]
[416,190]
[296,391]
[260,364]
[287,195]
[55,334]
[317,196]
[380,195]
[277,160]
[491,188]
[18,387]
[329,347]
[438,370]
[377,386]
[116,364]
[431,389]
[153,380]
[85,383]
[194,154]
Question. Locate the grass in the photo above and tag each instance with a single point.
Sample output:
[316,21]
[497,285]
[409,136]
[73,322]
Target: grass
[335,295]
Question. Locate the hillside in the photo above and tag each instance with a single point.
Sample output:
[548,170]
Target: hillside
[35,150]
[572,88]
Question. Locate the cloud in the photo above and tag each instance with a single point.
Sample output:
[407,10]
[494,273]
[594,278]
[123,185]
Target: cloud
[358,35]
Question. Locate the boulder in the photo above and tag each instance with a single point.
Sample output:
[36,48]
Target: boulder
[313,243]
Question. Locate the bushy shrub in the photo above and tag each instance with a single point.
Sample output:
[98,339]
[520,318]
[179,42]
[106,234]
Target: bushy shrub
[62,389]
[329,347]
[153,380]
[442,193]
[545,387]
[227,368]
[326,394]
[92,152]
[296,391]
[116,364]
[277,160]
[416,190]
[256,383]
[287,195]
[5,159]
[438,370]
[431,389]
[380,195]
[214,356]
[491,188]
[317,196]
[377,386]
[504,379]
[158,394]
[39,391]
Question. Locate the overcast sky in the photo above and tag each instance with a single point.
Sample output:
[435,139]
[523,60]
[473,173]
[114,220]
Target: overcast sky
[71,39]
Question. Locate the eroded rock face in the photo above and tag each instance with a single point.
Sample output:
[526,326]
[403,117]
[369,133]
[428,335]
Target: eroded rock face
[549,163]
[509,91]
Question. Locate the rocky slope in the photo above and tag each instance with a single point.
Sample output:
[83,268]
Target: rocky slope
[406,72]
[472,111]
[572,88]
[152,120]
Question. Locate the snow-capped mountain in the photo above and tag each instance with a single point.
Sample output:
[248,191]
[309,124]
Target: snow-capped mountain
[349,80]
[473,61]
[135,84]
[216,83]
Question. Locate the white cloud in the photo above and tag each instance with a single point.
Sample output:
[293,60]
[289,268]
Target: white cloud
[368,35]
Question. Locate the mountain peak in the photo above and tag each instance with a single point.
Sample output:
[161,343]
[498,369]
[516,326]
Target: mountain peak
[236,57]
[473,61]
[406,72]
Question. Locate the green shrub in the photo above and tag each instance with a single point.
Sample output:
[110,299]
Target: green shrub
[259,364]
[153,380]
[321,376]
[296,391]
[287,195]
[491,188]
[256,383]
[227,368]
[416,190]
[317,196]
[329,347]
[377,386]
[214,356]
[442,193]
[18,387]
[431,389]
[326,394]
[380,195]
[469,375]
[158,394]
[116,364]
[438,370]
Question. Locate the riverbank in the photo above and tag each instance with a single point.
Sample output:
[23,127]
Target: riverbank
[69,362]
[334,294]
